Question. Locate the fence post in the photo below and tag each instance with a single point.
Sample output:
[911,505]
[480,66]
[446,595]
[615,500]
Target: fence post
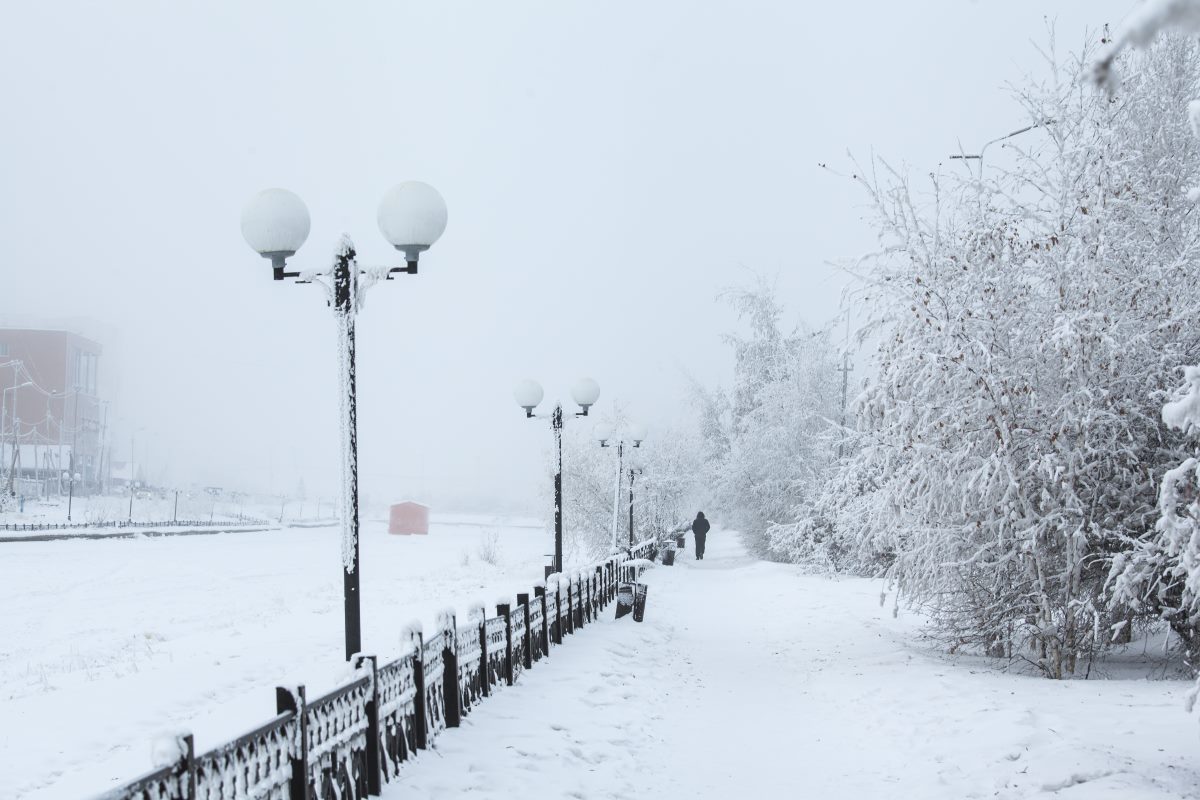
[505,610]
[296,703]
[580,601]
[580,595]
[485,674]
[570,606]
[450,689]
[593,608]
[189,766]
[539,594]
[374,770]
[552,627]
[527,657]
[420,711]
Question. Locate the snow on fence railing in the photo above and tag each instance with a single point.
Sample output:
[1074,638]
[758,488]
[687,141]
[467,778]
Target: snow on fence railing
[347,744]
[179,523]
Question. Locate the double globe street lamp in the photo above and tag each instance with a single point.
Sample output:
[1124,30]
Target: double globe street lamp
[275,223]
[634,435]
[528,394]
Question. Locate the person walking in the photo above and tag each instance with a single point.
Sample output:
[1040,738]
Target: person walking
[700,528]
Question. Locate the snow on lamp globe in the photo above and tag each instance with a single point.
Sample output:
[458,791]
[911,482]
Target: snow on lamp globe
[275,223]
[528,393]
[412,216]
[585,392]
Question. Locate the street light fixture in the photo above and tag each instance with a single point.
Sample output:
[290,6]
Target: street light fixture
[275,223]
[528,394]
[635,434]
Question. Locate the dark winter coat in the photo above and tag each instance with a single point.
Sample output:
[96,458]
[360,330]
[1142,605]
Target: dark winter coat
[700,525]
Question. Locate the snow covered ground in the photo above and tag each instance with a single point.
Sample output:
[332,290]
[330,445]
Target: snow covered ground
[751,679]
[106,644]
[747,678]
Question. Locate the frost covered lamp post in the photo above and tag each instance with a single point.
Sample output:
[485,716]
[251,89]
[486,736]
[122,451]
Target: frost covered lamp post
[528,393]
[412,216]
[71,480]
[637,435]
[133,487]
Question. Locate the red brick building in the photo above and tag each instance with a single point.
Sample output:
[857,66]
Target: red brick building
[51,418]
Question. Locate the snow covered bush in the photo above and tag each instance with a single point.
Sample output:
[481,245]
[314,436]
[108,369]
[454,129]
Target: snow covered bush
[489,547]
[1161,574]
[1009,446]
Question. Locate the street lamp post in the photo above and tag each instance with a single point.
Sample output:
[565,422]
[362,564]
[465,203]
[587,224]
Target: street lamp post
[133,485]
[633,472]
[70,478]
[528,394]
[275,223]
[637,435]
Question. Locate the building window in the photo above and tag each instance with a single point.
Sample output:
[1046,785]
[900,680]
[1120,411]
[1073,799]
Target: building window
[3,350]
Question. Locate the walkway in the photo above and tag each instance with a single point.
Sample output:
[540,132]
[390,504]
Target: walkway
[750,679]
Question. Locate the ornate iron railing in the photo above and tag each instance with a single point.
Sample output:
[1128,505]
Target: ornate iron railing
[348,743]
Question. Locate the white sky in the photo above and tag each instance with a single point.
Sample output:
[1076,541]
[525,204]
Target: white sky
[608,167]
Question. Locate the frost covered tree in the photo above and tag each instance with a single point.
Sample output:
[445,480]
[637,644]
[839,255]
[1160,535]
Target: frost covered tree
[1161,574]
[596,498]
[1010,445]
[774,436]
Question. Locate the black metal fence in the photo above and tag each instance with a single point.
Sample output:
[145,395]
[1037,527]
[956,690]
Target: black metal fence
[348,743]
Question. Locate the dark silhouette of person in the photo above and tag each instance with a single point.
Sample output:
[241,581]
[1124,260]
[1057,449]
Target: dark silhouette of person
[700,528]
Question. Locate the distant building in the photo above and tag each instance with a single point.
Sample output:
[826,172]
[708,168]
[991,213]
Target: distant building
[409,517]
[51,418]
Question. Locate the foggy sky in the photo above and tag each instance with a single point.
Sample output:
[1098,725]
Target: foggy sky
[608,168]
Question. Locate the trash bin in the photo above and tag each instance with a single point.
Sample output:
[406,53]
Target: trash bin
[668,555]
[680,540]
[639,601]
[625,596]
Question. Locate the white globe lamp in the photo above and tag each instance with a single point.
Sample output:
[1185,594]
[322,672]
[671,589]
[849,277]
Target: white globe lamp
[528,393]
[275,223]
[412,216]
[585,392]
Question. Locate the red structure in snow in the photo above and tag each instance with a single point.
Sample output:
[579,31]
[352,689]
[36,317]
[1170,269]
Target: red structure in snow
[409,517]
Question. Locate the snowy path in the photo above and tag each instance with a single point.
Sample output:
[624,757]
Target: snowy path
[750,679]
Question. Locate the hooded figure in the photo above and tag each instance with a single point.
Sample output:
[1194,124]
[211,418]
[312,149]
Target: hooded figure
[700,528]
